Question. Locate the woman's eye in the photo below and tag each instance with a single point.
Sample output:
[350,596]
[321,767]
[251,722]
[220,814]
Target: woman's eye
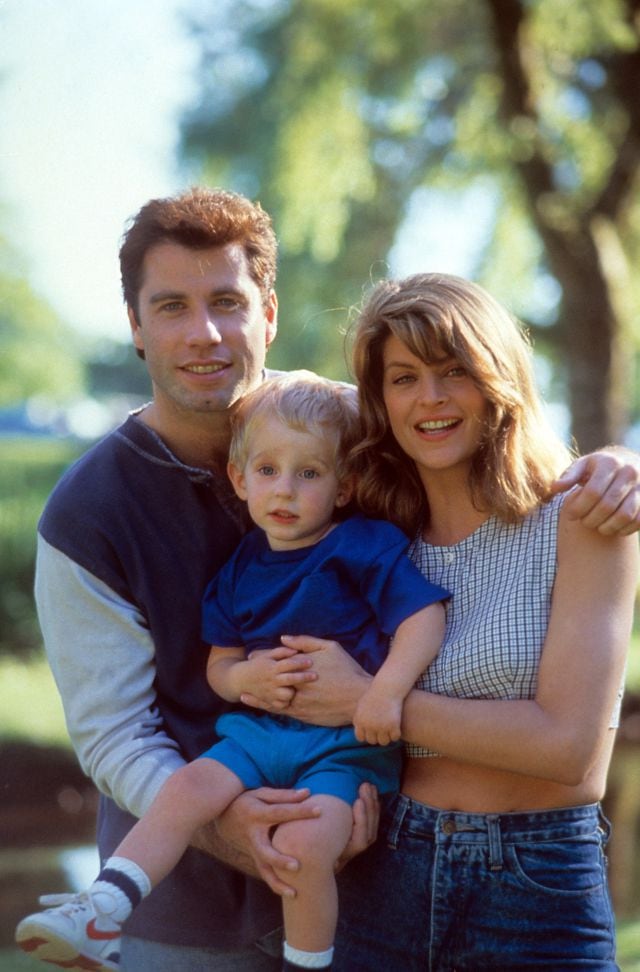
[402,379]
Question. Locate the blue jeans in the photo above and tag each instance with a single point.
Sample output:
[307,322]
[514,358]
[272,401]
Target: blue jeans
[139,955]
[463,892]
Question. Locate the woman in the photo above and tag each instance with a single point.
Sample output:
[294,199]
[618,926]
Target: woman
[492,857]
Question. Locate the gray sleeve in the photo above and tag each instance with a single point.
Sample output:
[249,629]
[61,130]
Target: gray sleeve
[102,658]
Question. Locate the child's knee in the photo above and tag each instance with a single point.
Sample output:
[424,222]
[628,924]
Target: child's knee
[316,842]
[308,845]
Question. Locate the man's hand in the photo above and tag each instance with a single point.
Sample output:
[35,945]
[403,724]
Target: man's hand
[247,825]
[607,497]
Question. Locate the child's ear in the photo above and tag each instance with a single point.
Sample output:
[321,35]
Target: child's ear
[345,492]
[237,480]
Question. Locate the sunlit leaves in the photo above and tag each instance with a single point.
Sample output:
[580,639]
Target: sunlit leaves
[323,167]
[37,354]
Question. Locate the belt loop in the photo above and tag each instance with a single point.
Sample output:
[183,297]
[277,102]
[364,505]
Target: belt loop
[496,862]
[397,821]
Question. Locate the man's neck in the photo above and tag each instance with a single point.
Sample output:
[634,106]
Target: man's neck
[197,439]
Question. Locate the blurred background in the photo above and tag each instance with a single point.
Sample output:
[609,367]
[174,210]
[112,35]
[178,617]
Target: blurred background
[499,140]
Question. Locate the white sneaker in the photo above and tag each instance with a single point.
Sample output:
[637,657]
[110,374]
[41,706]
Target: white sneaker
[78,935]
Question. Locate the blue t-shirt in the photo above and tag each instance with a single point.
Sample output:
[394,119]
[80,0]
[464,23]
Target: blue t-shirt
[355,586]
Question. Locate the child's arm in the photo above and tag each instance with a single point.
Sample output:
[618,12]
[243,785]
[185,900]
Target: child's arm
[415,644]
[270,675]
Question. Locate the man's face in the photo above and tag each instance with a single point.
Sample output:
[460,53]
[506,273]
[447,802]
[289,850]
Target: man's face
[202,325]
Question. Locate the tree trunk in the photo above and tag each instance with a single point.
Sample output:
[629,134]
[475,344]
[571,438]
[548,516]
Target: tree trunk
[591,335]
[581,246]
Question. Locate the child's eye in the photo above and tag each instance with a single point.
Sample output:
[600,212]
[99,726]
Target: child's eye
[309,473]
[266,470]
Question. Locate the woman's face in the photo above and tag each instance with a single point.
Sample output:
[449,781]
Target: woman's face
[436,411]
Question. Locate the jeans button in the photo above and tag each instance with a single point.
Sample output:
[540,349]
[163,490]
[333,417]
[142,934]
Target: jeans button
[449,826]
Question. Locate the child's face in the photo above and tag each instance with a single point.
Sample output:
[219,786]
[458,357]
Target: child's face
[290,484]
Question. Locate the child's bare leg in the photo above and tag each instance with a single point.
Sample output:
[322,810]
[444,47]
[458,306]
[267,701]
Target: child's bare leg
[310,917]
[85,930]
[193,796]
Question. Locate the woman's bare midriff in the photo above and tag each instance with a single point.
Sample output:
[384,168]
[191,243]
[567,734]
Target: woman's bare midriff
[448,784]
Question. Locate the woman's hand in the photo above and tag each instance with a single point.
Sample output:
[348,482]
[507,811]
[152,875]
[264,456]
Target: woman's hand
[273,675]
[331,699]
[607,497]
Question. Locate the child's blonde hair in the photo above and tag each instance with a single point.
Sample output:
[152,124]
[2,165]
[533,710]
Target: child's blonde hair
[305,402]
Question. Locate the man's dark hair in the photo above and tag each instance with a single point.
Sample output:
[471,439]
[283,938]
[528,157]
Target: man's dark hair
[199,219]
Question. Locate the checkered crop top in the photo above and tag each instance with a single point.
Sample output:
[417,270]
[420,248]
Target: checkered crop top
[501,578]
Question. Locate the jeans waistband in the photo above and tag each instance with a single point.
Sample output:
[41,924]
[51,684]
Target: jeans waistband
[418,819]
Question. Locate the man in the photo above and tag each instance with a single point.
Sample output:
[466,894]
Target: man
[127,543]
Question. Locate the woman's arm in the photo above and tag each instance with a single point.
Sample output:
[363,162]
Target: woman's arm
[559,734]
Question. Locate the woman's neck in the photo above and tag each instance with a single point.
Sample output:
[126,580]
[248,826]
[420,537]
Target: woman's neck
[452,513]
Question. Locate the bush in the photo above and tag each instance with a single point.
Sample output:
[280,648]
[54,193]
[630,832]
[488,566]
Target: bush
[28,471]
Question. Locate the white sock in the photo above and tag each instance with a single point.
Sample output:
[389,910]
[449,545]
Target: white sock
[125,884]
[308,960]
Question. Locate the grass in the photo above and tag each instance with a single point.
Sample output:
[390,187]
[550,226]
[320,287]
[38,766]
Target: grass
[628,946]
[13,960]
[31,707]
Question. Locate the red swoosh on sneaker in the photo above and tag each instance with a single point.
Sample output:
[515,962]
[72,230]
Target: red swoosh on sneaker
[100,936]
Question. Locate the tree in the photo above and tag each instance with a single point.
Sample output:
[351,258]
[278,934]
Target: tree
[38,355]
[335,112]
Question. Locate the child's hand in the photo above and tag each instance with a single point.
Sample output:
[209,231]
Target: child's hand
[272,675]
[377,719]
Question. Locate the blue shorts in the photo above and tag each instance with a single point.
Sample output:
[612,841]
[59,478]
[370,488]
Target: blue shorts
[443,891]
[275,750]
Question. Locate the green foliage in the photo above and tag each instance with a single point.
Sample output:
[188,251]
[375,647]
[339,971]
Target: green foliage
[334,112]
[28,472]
[37,353]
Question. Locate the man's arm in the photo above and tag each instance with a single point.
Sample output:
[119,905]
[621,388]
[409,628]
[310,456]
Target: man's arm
[607,494]
[102,658]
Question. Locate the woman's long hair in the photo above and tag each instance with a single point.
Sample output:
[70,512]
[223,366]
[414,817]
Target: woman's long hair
[439,315]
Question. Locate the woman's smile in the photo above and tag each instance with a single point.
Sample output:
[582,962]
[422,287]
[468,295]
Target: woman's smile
[436,411]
